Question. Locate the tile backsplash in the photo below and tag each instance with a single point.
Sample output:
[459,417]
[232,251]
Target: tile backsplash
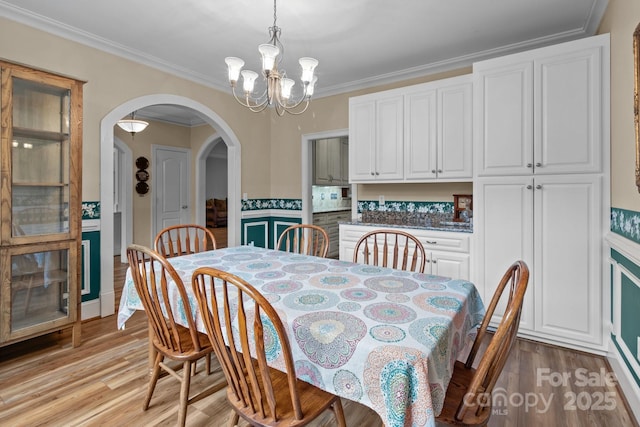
[406,213]
[329,198]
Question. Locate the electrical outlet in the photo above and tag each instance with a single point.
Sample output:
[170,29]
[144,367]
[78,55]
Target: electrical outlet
[381,200]
[245,197]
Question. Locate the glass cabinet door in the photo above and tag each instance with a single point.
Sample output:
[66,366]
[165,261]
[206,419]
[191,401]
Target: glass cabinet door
[39,288]
[40,158]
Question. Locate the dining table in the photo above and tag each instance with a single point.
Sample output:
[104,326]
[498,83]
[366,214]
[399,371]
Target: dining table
[383,337]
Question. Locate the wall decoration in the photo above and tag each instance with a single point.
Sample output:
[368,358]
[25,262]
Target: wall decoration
[142,163]
[142,175]
[142,188]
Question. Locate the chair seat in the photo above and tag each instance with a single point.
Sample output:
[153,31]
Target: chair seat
[458,387]
[187,346]
[313,400]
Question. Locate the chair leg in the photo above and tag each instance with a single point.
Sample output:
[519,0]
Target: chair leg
[339,413]
[233,419]
[208,363]
[184,392]
[153,380]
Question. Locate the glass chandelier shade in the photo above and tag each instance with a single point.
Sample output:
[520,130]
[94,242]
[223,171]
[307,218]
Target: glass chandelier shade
[132,125]
[279,88]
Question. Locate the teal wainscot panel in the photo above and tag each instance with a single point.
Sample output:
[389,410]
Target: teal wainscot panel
[629,307]
[90,275]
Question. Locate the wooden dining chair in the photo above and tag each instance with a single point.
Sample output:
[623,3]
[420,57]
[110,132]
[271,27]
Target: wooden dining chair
[151,274]
[261,395]
[468,397]
[391,248]
[184,239]
[305,239]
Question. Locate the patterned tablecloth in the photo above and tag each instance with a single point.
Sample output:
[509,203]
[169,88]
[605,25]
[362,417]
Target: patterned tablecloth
[382,337]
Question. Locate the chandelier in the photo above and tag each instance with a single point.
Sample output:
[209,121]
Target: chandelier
[132,125]
[278,91]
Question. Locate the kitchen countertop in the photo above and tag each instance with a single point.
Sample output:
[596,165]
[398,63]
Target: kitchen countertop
[443,226]
[332,210]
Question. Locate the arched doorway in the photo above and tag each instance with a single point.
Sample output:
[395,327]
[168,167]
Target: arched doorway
[107,296]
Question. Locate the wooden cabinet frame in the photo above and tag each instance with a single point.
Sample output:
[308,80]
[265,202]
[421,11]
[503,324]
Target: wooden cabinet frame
[69,237]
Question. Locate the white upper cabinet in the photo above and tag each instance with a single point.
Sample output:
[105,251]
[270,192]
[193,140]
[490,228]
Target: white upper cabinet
[540,112]
[418,133]
[455,120]
[375,137]
[421,135]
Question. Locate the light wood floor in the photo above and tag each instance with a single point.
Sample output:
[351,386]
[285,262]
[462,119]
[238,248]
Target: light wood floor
[45,382]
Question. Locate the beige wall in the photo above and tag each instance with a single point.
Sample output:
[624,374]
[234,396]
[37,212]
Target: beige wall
[620,21]
[111,81]
[437,192]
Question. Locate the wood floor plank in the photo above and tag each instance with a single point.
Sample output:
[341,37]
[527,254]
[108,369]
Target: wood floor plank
[103,382]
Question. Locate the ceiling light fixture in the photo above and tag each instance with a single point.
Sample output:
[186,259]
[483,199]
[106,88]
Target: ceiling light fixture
[278,87]
[132,125]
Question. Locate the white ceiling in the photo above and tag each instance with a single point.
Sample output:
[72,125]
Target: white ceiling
[359,43]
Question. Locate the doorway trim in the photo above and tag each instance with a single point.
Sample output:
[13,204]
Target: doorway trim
[126,197]
[201,178]
[107,294]
[307,171]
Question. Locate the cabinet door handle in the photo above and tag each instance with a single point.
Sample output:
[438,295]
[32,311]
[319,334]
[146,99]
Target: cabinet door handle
[377,173]
[184,206]
[529,187]
[434,261]
[529,165]
[427,260]
[538,165]
[439,170]
[372,174]
[431,242]
[433,171]
[538,187]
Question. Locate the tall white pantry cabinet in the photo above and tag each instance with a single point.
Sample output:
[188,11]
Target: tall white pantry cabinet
[541,184]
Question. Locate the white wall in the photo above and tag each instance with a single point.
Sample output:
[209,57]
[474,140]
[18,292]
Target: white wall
[216,177]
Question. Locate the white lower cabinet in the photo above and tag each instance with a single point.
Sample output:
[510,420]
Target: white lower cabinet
[448,264]
[447,253]
[554,224]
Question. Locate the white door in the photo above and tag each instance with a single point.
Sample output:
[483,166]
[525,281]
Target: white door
[362,119]
[503,217]
[389,157]
[321,171]
[455,120]
[172,190]
[568,112]
[567,271]
[448,264]
[420,135]
[503,123]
